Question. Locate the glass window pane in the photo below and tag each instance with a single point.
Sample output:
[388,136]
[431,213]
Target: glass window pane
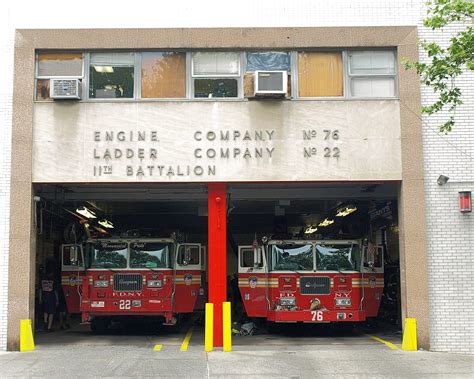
[109,255]
[320,74]
[111,75]
[188,255]
[334,257]
[247,257]
[373,87]
[292,257]
[372,62]
[215,64]
[211,88]
[60,64]
[268,60]
[150,254]
[163,75]
[42,89]
[114,59]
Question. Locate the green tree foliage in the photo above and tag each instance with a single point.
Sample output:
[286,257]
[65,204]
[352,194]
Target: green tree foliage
[446,64]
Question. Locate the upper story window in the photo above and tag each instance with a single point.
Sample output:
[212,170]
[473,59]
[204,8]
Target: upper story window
[163,75]
[372,73]
[56,65]
[320,74]
[175,75]
[215,74]
[111,75]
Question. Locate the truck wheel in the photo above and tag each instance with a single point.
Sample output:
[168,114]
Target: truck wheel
[99,325]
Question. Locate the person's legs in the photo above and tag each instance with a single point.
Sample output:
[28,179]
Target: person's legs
[45,321]
[50,320]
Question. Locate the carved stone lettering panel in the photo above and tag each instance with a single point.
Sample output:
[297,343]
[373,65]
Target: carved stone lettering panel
[217,141]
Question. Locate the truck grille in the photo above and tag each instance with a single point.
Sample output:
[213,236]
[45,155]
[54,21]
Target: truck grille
[315,285]
[128,282]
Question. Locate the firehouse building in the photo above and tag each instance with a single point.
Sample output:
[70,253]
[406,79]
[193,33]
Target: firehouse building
[224,136]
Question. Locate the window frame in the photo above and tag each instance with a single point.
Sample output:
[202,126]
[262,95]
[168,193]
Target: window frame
[85,88]
[186,74]
[239,77]
[242,69]
[295,77]
[82,78]
[349,76]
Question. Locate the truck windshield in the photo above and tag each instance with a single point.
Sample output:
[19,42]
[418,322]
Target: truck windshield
[107,254]
[150,254]
[292,257]
[337,257]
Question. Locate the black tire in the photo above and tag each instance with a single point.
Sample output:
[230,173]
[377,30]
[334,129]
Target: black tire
[100,325]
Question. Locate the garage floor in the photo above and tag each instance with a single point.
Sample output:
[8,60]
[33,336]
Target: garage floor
[289,336]
[77,353]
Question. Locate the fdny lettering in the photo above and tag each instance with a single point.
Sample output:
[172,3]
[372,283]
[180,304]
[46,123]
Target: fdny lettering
[127,294]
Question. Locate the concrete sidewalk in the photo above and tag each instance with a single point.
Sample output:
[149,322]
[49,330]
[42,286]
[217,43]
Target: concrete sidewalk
[245,362]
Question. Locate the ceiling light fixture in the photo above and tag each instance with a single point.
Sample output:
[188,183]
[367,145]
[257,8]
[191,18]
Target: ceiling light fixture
[326,222]
[310,229]
[106,224]
[345,211]
[104,69]
[86,212]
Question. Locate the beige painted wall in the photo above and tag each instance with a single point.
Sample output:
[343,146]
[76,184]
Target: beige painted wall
[411,204]
[230,141]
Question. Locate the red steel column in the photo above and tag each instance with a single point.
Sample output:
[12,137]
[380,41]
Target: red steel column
[217,266]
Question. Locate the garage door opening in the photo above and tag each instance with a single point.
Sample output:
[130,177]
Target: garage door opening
[152,219]
[315,258]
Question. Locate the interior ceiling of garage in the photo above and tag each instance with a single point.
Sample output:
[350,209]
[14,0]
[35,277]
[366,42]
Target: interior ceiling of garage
[119,199]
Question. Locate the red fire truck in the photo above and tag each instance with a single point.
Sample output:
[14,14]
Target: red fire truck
[138,277]
[316,281]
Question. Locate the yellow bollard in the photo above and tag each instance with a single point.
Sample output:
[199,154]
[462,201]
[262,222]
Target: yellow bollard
[409,342]
[26,336]
[227,327]
[208,328]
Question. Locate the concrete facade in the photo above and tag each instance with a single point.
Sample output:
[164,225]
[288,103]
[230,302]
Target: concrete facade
[451,306]
[412,227]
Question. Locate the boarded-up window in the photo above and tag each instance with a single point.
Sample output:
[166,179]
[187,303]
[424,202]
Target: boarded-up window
[163,75]
[320,74]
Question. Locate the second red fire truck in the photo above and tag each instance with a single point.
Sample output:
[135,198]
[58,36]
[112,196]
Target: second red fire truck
[316,281]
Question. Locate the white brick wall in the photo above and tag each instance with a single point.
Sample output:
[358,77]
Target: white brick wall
[450,234]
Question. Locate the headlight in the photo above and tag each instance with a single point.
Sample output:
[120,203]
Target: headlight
[343,302]
[101,283]
[154,283]
[287,301]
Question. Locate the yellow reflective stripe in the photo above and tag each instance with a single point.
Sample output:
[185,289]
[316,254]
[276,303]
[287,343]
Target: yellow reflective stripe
[185,344]
[389,344]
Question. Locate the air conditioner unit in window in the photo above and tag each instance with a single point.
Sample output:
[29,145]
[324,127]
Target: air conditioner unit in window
[270,83]
[65,89]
